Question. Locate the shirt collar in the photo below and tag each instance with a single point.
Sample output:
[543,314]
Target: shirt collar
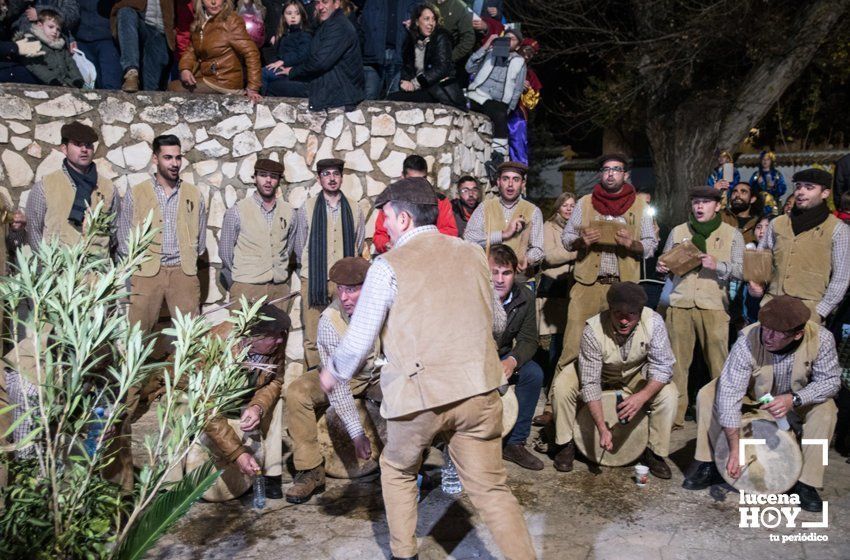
[259,200]
[158,186]
[407,236]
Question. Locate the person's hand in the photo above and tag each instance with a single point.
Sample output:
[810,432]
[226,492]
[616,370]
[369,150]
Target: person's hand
[406,23]
[327,380]
[509,366]
[253,95]
[522,266]
[590,236]
[362,447]
[29,49]
[721,185]
[406,85]
[187,78]
[250,418]
[606,440]
[478,24]
[623,237]
[708,261]
[527,85]
[514,227]
[73,47]
[661,267]
[493,11]
[247,465]
[630,406]
[274,65]
[756,290]
[31,14]
[284,70]
[732,466]
[779,406]
[490,40]
[19,220]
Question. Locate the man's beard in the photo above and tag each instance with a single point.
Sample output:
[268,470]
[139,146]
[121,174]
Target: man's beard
[737,205]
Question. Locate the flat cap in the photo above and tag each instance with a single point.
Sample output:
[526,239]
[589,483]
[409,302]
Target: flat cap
[416,190]
[515,166]
[615,156]
[349,271]
[270,165]
[813,175]
[277,322]
[784,313]
[330,163]
[78,132]
[626,295]
[704,191]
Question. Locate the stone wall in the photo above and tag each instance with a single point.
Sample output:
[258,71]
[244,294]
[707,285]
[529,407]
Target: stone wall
[223,136]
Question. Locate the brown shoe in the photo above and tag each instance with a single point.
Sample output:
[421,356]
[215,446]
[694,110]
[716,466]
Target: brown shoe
[564,458]
[131,81]
[657,465]
[517,453]
[306,484]
[543,419]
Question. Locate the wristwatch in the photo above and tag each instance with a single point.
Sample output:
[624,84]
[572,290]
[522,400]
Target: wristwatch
[796,400]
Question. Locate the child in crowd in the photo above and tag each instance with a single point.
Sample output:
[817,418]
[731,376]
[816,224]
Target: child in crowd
[292,47]
[56,66]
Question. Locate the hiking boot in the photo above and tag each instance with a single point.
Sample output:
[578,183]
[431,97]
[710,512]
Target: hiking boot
[131,81]
[543,419]
[306,484]
[517,453]
[274,490]
[563,460]
[657,465]
[809,498]
[703,474]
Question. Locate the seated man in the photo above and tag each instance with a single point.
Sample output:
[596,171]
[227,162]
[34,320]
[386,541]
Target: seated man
[517,345]
[305,395]
[787,355]
[625,348]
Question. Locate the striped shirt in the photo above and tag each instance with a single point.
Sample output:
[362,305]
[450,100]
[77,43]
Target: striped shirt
[475,233]
[231,225]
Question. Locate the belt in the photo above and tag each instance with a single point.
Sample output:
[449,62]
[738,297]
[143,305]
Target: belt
[609,279]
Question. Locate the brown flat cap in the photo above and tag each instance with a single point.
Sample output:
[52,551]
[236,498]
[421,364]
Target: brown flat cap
[626,295]
[330,163]
[704,191]
[416,190]
[784,313]
[813,175]
[276,323]
[615,156]
[515,166]
[349,271]
[270,165]
[78,132]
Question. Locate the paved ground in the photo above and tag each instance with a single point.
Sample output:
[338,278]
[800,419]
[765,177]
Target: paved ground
[589,513]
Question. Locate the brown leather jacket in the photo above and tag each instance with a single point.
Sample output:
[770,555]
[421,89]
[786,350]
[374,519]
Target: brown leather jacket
[216,53]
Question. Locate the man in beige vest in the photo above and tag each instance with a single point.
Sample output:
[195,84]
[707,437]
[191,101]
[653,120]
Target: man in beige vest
[330,226]
[305,396]
[436,381]
[699,302]
[180,216]
[256,240]
[794,360]
[624,348]
[599,265]
[58,204]
[509,219]
[811,249]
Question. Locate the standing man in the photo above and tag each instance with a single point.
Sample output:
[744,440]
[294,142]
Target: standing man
[811,249]
[742,212]
[58,204]
[509,219]
[256,240]
[383,37]
[330,226]
[145,33]
[457,20]
[699,302]
[468,199]
[179,213]
[599,266]
[435,382]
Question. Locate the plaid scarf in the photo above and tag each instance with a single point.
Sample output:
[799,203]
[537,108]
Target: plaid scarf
[318,248]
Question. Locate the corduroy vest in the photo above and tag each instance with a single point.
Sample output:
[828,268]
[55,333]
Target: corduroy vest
[59,194]
[340,321]
[336,249]
[259,255]
[587,264]
[802,264]
[494,220]
[761,381]
[700,287]
[616,370]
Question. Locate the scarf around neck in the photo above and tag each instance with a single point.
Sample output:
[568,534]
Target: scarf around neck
[804,220]
[613,204]
[318,247]
[85,184]
[702,230]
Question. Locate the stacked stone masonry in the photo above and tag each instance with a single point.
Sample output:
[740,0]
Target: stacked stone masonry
[223,136]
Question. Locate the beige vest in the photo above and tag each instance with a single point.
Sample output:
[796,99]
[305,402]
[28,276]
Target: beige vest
[437,355]
[615,370]
[340,320]
[59,194]
[701,288]
[260,255]
[802,264]
[494,220]
[336,249]
[188,225]
[761,381]
[587,263]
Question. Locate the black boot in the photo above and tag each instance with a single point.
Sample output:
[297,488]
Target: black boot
[656,463]
[809,497]
[274,490]
[702,476]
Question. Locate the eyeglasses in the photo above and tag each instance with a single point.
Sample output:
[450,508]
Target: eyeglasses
[330,173]
[467,191]
[616,169]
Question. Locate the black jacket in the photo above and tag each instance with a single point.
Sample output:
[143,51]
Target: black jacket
[334,67]
[438,77]
[519,339]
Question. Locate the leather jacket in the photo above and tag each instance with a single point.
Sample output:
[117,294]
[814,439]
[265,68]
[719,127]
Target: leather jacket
[438,76]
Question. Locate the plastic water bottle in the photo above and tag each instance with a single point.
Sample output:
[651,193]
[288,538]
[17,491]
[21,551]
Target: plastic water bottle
[95,428]
[255,444]
[259,490]
[450,480]
[781,422]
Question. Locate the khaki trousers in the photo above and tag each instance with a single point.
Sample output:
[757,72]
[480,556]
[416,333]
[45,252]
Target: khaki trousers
[473,428]
[662,408]
[303,397]
[685,327]
[310,320]
[818,423]
[585,302]
[179,291]
[5,422]
[253,292]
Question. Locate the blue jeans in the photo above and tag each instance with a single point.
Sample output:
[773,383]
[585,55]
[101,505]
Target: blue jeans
[382,79]
[104,55]
[143,48]
[282,86]
[528,380]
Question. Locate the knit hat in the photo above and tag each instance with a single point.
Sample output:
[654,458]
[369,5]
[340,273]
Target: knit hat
[784,313]
[349,271]
[627,296]
[515,32]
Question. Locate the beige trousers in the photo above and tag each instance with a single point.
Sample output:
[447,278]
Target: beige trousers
[818,423]
[5,422]
[686,327]
[473,428]
[585,302]
[303,397]
[662,408]
[179,291]
[253,292]
[310,320]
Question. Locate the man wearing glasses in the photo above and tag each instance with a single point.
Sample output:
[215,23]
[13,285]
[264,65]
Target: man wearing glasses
[469,196]
[330,226]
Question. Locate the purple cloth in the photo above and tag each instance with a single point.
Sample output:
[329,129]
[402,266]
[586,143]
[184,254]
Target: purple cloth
[518,136]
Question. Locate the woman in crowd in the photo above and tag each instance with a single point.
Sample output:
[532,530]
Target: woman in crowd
[428,73]
[768,179]
[716,178]
[292,46]
[221,55]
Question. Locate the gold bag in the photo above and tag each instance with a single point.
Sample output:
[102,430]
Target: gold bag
[682,258]
[758,266]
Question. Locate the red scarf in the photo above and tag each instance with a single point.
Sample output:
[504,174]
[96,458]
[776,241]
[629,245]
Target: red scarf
[842,215]
[613,204]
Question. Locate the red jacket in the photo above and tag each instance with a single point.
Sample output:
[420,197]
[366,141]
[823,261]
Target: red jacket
[445,223]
